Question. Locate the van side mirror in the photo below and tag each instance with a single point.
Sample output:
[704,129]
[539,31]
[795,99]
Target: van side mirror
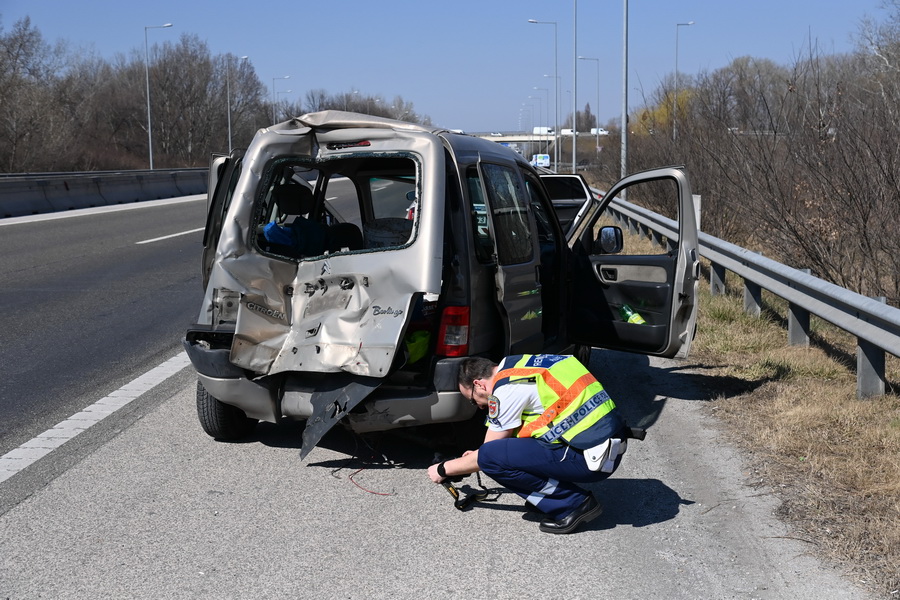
[609,241]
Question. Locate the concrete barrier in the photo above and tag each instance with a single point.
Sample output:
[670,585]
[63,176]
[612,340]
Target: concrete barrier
[22,195]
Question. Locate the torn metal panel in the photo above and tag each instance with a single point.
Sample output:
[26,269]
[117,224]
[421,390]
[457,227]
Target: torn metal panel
[330,313]
[331,401]
[337,119]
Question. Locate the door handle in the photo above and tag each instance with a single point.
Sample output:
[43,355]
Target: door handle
[608,274]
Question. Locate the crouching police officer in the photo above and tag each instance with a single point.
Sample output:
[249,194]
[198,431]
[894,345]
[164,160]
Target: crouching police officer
[550,426]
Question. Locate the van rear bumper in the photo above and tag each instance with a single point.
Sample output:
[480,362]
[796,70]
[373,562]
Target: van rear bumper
[389,409]
[228,383]
[256,401]
[386,408]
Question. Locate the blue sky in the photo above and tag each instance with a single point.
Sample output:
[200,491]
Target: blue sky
[469,65]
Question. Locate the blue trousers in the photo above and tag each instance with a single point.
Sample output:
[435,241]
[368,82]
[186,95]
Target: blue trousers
[543,475]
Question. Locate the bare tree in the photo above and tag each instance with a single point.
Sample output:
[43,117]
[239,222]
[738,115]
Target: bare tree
[249,110]
[27,66]
[798,162]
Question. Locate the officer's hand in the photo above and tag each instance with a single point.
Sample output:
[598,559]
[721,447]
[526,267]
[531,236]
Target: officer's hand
[433,474]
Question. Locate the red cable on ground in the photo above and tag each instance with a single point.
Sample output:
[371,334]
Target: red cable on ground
[365,489]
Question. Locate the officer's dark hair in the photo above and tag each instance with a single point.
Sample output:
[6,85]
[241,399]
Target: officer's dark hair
[474,367]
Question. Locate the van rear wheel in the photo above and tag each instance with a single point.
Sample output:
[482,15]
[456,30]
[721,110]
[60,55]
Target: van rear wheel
[222,421]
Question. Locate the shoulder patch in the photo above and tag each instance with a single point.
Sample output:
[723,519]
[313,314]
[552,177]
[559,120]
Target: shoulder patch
[493,406]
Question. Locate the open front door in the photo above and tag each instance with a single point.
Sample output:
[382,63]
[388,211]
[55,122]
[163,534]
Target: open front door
[638,297]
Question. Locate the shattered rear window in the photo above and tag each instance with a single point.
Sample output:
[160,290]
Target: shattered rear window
[352,204]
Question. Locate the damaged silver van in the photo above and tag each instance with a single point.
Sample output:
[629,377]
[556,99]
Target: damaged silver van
[350,262]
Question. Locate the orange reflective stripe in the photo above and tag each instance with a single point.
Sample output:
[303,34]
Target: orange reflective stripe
[566,398]
[551,381]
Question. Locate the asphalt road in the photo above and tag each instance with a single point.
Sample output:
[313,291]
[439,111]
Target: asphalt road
[144,505]
[87,306]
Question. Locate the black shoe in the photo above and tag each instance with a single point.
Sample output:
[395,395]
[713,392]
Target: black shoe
[531,508]
[589,509]
[533,513]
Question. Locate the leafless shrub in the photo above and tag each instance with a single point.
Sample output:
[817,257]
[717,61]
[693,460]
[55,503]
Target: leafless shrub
[800,162]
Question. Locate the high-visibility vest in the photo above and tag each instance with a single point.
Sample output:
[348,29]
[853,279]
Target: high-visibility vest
[577,410]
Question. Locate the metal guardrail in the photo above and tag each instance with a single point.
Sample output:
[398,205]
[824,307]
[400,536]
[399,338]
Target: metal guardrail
[875,324]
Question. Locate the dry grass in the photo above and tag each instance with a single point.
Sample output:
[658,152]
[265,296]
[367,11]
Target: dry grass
[833,460]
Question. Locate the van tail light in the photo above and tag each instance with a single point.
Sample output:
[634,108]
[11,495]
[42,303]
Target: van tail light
[453,335]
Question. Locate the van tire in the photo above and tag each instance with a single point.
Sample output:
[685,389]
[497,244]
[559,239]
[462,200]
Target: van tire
[222,421]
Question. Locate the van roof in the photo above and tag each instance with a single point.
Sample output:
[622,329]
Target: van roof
[339,119]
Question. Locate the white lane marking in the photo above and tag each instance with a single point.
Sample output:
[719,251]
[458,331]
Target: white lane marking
[36,448]
[82,212]
[165,237]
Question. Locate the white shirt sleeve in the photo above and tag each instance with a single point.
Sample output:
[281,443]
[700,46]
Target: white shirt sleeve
[512,400]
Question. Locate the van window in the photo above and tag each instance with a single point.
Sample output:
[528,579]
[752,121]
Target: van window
[341,201]
[564,188]
[359,203]
[550,269]
[509,212]
[393,198]
[484,245]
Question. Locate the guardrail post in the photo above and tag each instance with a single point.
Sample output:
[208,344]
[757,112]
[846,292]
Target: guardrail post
[870,378]
[615,215]
[798,323]
[633,227]
[716,279]
[752,298]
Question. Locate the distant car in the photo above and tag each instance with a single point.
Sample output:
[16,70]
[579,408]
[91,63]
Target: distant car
[496,134]
[599,131]
[541,160]
[567,132]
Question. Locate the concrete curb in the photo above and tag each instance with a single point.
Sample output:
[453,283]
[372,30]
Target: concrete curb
[47,193]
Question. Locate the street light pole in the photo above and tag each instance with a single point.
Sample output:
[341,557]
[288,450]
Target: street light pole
[556,76]
[675,97]
[275,97]
[574,82]
[147,74]
[624,135]
[556,121]
[228,97]
[546,106]
[528,108]
[280,92]
[540,107]
[598,94]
